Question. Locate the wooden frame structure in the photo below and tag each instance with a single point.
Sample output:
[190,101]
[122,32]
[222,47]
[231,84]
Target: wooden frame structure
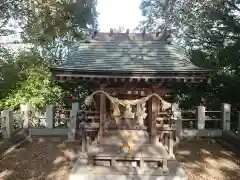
[129,85]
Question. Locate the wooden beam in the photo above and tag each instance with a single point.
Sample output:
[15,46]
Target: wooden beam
[102,113]
[137,78]
[149,112]
[133,77]
[155,109]
[137,81]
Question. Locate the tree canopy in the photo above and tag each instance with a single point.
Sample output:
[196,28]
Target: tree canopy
[209,30]
[49,28]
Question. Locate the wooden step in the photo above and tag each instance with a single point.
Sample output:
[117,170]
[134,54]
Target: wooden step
[144,152]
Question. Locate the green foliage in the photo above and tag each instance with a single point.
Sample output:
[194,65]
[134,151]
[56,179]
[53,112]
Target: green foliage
[9,72]
[42,21]
[28,81]
[210,31]
[50,27]
[37,89]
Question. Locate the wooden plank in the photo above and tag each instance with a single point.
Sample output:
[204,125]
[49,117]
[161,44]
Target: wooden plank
[92,117]
[162,118]
[128,158]
[91,125]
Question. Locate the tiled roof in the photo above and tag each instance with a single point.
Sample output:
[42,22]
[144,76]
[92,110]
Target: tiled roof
[128,53]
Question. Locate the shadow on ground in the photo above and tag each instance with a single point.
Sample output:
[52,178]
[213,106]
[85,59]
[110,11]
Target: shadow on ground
[47,158]
[206,159]
[50,158]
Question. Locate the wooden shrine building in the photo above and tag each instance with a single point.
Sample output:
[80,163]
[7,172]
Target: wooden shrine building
[129,75]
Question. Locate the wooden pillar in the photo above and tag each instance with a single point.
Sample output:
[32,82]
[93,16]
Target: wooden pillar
[155,110]
[102,112]
[149,109]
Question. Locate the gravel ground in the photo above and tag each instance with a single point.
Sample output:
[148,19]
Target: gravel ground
[41,159]
[208,160]
[50,158]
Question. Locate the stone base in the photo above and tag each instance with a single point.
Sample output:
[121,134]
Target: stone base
[81,171]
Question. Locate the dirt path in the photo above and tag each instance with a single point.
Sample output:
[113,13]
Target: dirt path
[208,160]
[42,159]
[51,159]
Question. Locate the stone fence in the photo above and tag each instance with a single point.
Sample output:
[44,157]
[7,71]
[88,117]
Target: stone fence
[200,118]
[220,121]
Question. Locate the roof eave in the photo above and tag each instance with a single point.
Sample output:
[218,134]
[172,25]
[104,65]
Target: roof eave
[71,70]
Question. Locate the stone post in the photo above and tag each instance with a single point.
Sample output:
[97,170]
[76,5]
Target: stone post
[175,107]
[73,121]
[178,121]
[226,113]
[25,111]
[7,123]
[50,116]
[201,117]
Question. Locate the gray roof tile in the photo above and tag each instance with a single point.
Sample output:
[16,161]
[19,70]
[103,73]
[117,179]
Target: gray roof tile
[128,54]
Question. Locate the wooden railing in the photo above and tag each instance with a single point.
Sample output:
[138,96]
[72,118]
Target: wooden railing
[189,119]
[88,123]
[164,120]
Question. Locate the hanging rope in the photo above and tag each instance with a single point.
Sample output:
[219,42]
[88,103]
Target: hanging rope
[125,103]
